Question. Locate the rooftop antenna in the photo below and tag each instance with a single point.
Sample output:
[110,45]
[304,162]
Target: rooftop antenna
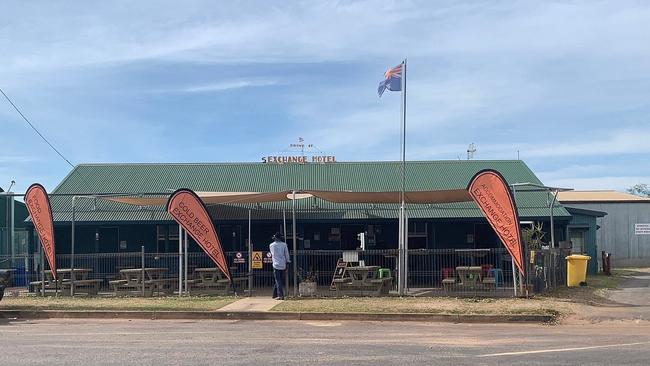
[470,151]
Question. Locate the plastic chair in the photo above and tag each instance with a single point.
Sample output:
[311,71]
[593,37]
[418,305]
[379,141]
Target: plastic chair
[485,269]
[384,273]
[497,273]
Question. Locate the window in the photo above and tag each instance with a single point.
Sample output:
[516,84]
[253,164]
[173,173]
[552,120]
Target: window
[418,235]
[165,234]
[418,229]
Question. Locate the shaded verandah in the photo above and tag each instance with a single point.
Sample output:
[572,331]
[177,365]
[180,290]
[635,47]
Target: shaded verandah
[471,270]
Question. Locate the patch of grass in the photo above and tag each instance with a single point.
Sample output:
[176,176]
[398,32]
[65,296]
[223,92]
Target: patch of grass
[593,293]
[120,303]
[423,305]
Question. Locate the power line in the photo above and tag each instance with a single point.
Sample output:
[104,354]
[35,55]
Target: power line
[34,128]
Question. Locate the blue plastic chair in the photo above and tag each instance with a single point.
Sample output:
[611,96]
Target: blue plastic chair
[497,273]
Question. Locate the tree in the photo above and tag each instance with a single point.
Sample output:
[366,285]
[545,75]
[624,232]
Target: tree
[640,189]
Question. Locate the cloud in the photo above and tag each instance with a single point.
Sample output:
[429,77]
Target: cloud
[227,85]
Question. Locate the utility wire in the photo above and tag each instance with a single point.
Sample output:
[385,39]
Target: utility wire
[34,128]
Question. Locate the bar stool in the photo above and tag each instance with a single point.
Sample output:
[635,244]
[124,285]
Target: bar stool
[497,273]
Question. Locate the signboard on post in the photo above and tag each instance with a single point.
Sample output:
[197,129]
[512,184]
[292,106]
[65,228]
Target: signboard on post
[339,272]
[239,258]
[257,260]
[268,258]
[642,229]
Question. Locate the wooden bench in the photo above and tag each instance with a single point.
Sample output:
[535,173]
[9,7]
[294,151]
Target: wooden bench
[89,287]
[362,281]
[142,282]
[448,283]
[489,282]
[210,281]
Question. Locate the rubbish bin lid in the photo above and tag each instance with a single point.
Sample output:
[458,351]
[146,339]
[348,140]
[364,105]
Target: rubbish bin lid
[578,257]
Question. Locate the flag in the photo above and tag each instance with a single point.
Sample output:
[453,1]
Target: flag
[38,206]
[493,197]
[392,80]
[187,209]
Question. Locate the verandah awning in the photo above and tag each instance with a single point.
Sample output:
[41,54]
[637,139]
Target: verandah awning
[413,197]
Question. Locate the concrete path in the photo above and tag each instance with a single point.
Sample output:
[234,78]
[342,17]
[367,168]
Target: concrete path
[630,301]
[251,304]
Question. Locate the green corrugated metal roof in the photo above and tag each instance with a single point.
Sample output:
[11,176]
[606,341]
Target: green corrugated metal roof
[258,177]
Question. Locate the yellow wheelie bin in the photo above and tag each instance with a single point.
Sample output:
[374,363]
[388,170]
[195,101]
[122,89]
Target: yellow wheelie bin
[576,269]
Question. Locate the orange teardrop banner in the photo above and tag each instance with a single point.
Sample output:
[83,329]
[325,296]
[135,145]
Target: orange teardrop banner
[38,205]
[188,210]
[491,193]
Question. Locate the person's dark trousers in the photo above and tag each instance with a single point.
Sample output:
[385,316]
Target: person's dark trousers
[278,288]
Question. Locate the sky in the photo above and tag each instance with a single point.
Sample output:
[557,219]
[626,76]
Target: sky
[564,85]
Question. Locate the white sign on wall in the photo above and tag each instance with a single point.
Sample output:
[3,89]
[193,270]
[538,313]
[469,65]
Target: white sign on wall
[642,229]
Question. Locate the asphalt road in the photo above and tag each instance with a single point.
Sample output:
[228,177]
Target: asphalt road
[163,342]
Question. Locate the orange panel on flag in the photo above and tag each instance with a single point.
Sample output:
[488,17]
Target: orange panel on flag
[188,210]
[38,205]
[490,191]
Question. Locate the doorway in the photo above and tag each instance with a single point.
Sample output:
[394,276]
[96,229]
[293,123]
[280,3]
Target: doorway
[577,238]
[107,239]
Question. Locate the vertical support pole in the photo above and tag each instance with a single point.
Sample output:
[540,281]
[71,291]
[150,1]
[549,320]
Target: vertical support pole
[250,257]
[72,244]
[142,269]
[42,255]
[180,260]
[6,228]
[554,194]
[295,245]
[12,231]
[400,252]
[284,235]
[514,277]
[185,260]
[406,253]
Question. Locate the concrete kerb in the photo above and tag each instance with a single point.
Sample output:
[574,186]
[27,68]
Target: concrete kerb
[264,315]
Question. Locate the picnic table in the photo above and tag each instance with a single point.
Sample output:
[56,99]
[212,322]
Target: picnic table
[143,282]
[469,277]
[208,281]
[63,282]
[362,281]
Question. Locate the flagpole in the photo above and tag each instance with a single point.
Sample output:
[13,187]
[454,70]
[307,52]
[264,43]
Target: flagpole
[403,230]
[404,215]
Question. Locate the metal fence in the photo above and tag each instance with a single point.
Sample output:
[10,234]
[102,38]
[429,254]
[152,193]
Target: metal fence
[431,272]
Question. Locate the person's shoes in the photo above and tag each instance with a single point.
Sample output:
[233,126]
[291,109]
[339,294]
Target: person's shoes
[276,298]
[280,298]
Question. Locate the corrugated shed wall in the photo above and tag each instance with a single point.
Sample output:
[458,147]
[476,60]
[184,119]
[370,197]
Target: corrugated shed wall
[616,234]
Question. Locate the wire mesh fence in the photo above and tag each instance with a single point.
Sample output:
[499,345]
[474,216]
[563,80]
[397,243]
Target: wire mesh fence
[430,272]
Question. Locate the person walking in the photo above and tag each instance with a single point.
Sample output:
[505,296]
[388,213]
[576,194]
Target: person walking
[280,254]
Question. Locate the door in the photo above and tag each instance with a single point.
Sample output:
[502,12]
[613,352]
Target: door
[107,240]
[577,237]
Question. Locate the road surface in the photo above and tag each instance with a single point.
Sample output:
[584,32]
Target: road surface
[174,342]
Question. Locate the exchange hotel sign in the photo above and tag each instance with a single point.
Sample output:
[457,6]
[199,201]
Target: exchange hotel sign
[299,159]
